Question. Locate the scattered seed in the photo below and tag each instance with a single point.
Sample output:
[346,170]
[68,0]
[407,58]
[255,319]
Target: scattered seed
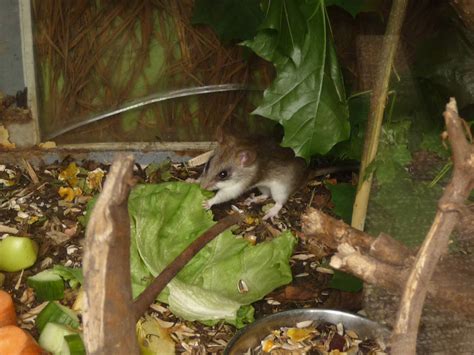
[304,324]
[324,270]
[71,249]
[243,288]
[302,256]
[273,302]
[303,274]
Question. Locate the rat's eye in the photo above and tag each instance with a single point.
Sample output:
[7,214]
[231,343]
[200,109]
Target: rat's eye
[223,174]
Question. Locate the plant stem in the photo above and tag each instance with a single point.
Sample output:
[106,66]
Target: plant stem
[377,105]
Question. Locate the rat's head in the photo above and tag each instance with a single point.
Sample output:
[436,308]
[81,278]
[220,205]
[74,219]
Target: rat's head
[232,162]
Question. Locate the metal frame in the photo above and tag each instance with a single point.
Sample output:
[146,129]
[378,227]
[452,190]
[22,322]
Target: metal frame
[28,58]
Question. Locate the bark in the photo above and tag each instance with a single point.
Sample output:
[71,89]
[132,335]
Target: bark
[384,262]
[109,326]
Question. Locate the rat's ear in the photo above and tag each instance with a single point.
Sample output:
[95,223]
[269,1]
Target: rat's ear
[246,157]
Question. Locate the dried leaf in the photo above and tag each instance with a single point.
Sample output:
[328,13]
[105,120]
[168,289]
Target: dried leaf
[94,179]
[68,193]
[70,174]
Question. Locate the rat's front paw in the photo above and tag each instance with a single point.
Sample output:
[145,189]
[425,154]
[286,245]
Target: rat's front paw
[273,212]
[207,204]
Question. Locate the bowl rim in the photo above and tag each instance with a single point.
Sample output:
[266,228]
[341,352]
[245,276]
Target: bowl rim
[312,311]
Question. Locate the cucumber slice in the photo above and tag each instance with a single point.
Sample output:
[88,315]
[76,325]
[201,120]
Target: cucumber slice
[57,313]
[75,344]
[72,275]
[52,338]
[48,285]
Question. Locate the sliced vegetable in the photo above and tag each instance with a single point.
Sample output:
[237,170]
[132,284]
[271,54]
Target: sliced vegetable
[75,345]
[78,304]
[16,341]
[153,339]
[73,275]
[7,310]
[52,338]
[48,285]
[56,313]
[17,253]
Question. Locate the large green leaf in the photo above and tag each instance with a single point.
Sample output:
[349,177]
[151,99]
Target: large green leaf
[230,19]
[358,114]
[307,96]
[284,17]
[165,219]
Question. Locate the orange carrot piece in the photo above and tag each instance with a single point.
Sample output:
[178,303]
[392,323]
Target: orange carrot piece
[7,310]
[16,341]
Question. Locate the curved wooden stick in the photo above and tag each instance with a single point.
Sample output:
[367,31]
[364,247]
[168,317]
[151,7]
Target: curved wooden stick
[436,242]
[109,326]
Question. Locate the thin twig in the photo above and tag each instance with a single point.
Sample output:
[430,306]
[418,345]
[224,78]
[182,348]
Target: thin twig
[31,172]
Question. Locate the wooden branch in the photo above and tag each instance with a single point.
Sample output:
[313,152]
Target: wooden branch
[109,325]
[436,241]
[334,232]
[377,106]
[145,299]
[391,251]
[367,268]
[383,261]
[443,291]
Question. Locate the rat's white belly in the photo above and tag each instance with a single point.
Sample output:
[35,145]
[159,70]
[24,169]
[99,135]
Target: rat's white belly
[274,188]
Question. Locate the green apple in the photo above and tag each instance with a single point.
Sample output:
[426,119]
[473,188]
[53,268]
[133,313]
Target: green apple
[17,253]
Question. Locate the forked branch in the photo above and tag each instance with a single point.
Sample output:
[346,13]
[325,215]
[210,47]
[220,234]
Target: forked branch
[436,241]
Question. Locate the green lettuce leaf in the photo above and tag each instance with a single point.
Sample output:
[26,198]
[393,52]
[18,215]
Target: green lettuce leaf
[165,219]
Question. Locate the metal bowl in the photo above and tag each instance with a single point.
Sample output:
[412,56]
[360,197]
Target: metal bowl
[250,336]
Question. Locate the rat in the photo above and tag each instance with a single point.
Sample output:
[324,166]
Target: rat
[241,164]
[238,165]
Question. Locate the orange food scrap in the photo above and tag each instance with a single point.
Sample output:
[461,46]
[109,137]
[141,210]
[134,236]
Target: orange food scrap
[7,310]
[296,335]
[16,341]
[267,345]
